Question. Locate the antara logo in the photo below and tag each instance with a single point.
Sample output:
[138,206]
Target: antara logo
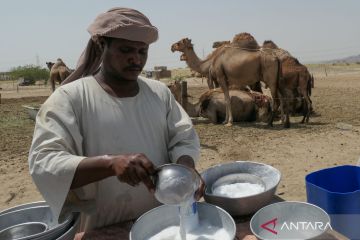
[270,226]
[305,226]
[272,222]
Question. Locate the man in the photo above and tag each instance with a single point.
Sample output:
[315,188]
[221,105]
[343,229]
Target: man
[98,139]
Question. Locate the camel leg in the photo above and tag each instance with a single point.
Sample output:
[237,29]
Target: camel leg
[210,83]
[284,101]
[276,104]
[303,89]
[52,82]
[306,109]
[228,117]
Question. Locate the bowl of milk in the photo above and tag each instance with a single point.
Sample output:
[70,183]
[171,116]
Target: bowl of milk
[241,187]
[167,223]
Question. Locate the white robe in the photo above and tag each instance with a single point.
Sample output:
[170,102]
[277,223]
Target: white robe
[81,120]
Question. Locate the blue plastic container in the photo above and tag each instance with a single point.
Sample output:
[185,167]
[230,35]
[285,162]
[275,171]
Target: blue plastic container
[337,191]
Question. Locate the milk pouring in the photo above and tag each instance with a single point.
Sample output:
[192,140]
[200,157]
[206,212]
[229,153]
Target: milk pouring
[189,218]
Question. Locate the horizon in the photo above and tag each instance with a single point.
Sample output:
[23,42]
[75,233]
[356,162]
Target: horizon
[312,31]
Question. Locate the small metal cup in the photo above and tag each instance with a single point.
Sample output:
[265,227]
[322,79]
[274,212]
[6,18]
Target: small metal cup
[23,231]
[175,183]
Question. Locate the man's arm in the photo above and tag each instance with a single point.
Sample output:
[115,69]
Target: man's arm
[129,168]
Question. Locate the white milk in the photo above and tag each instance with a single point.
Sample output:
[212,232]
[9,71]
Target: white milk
[203,232]
[236,190]
[172,183]
[189,218]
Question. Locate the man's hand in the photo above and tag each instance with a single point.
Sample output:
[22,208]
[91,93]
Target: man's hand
[189,162]
[129,168]
[133,169]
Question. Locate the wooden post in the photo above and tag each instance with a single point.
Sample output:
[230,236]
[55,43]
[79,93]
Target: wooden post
[184,94]
[325,71]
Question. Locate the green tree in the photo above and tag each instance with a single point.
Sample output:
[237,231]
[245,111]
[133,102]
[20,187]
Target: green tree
[31,72]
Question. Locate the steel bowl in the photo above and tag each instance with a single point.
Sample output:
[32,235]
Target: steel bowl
[290,220]
[269,176]
[38,214]
[23,231]
[25,205]
[175,183]
[74,228]
[157,219]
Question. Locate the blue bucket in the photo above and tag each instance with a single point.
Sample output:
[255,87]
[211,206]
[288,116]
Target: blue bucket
[337,191]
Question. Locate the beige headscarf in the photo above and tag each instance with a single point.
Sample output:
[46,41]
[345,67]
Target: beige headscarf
[122,23]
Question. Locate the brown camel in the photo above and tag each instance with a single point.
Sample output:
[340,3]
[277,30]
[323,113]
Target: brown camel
[193,61]
[203,66]
[242,63]
[58,72]
[296,79]
[247,106]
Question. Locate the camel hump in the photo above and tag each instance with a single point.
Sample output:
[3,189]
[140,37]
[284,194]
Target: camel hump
[291,64]
[59,64]
[245,40]
[218,44]
[269,44]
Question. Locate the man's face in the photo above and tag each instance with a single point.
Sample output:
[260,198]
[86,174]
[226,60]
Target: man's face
[124,59]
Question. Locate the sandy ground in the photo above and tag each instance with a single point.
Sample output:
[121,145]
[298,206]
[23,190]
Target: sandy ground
[295,152]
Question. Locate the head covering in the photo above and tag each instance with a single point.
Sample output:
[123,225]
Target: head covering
[122,23]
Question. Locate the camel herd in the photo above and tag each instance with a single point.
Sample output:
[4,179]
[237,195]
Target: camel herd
[240,64]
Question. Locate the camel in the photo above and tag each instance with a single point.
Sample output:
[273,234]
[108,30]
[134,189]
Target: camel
[296,78]
[247,106]
[203,66]
[58,72]
[193,61]
[242,63]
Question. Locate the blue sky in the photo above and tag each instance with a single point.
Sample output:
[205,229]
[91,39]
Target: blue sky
[312,30]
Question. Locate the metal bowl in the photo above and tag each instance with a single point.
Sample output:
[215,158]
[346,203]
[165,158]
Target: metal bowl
[269,175]
[25,205]
[157,219]
[23,231]
[39,214]
[70,233]
[175,183]
[290,220]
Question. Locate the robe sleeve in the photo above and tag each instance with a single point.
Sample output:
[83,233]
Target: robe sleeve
[55,152]
[183,139]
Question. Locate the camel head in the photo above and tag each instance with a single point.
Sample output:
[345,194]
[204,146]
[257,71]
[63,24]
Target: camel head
[263,107]
[220,43]
[182,45]
[49,65]
[269,44]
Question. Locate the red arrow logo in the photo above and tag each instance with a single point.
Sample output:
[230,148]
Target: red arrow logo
[273,222]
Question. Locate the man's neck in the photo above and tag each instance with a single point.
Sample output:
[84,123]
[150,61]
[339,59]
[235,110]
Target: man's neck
[117,88]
